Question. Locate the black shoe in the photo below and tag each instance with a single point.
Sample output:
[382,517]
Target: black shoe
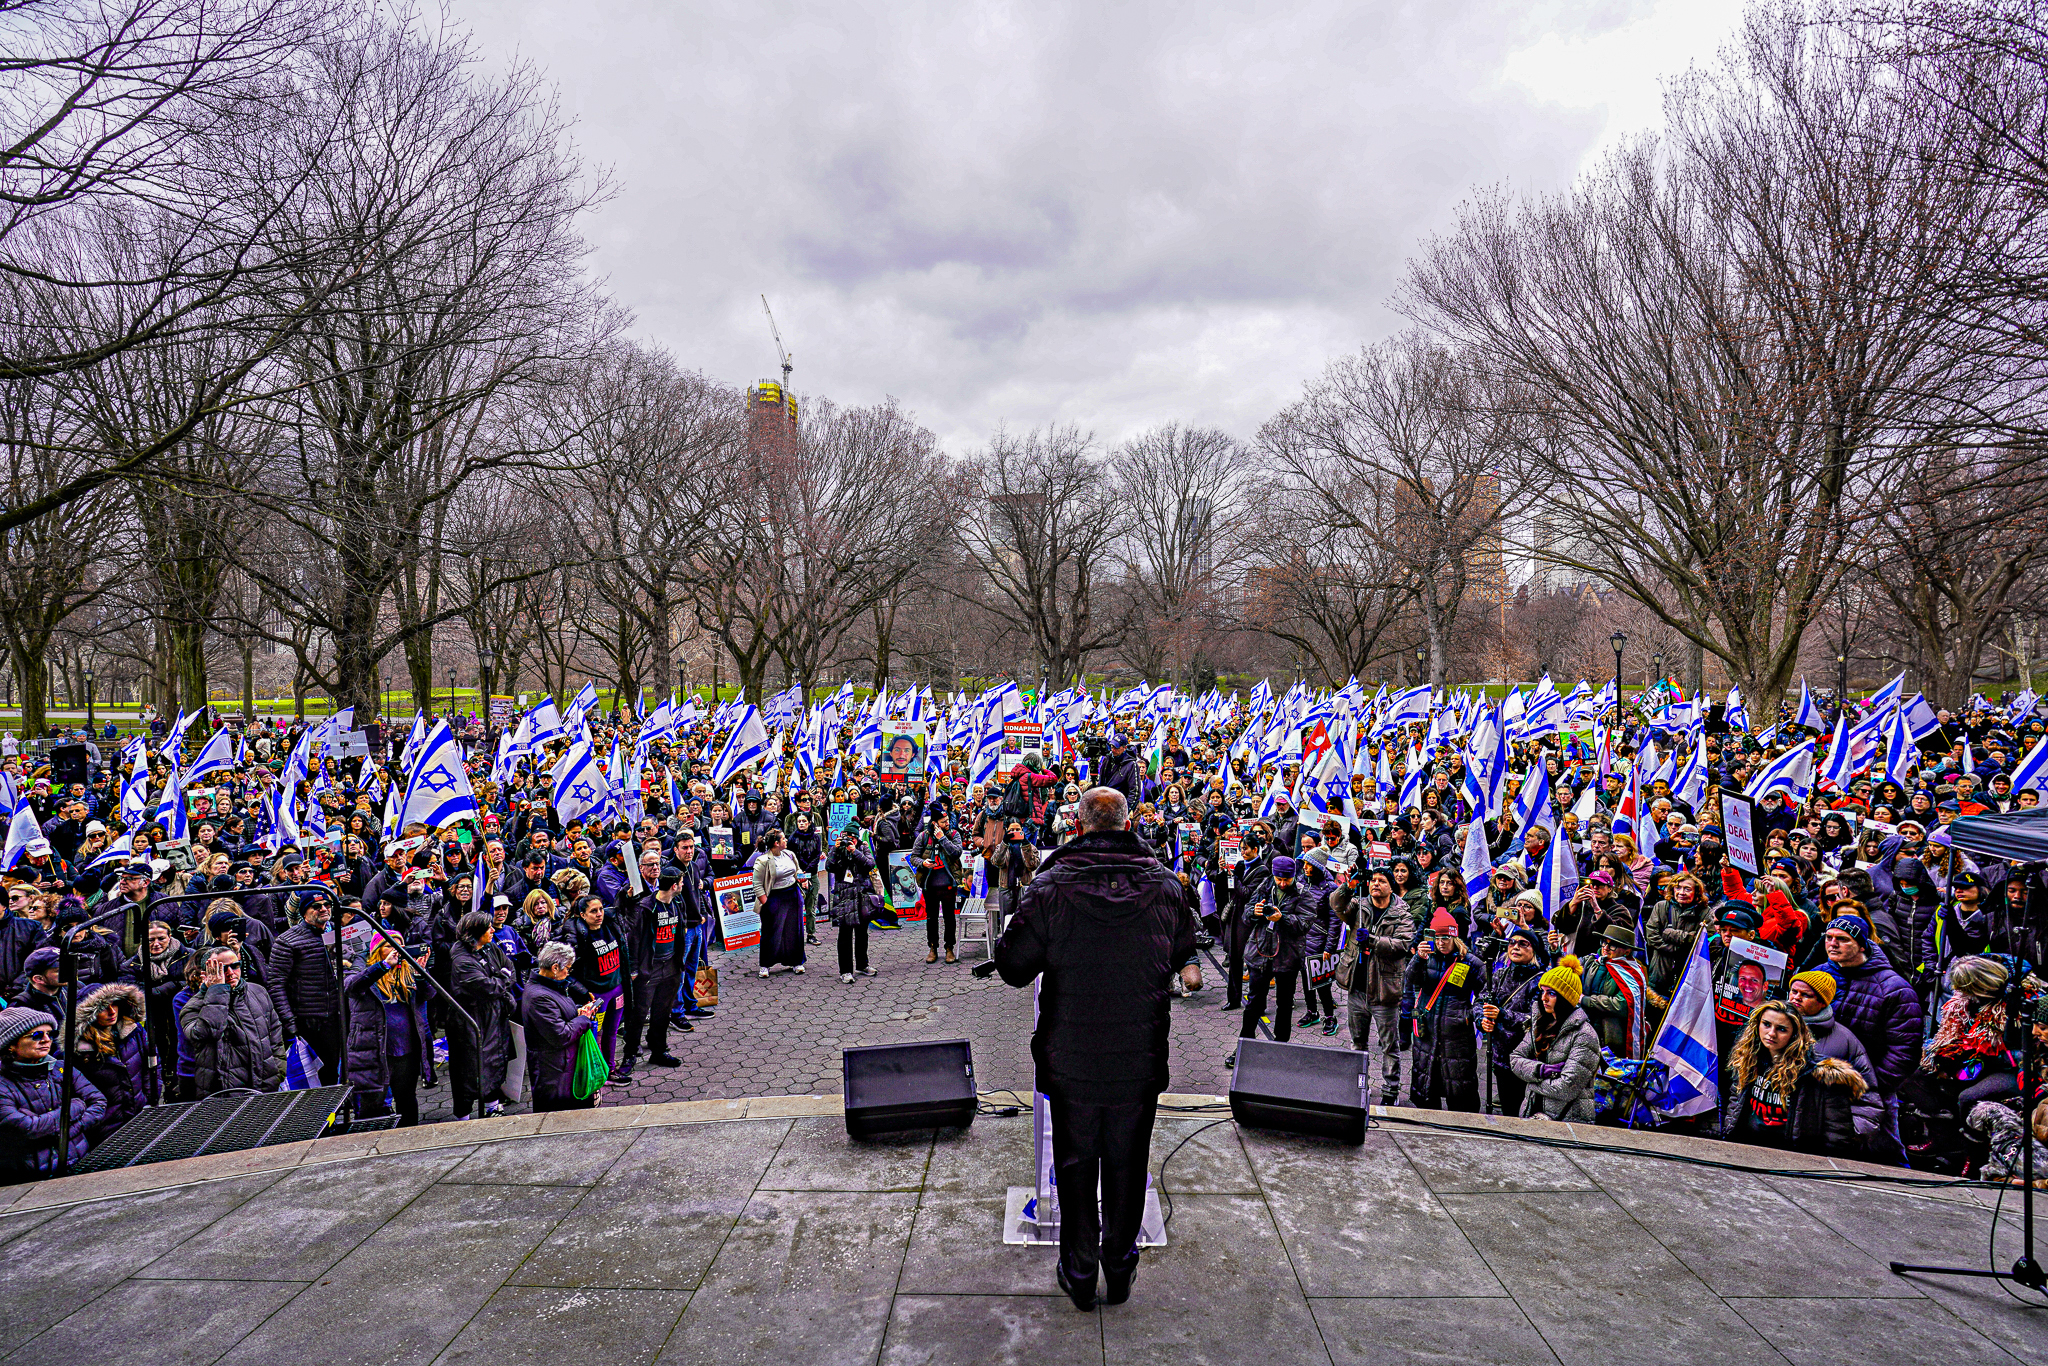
[1083,1296]
[1309,1019]
[1389,1097]
[680,1019]
[624,1071]
[1234,1005]
[1116,1285]
[702,1014]
[682,1026]
[1230,1061]
[664,1060]
[1330,1027]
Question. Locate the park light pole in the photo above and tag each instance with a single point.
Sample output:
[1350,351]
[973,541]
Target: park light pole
[1619,640]
[1841,683]
[484,660]
[88,701]
[1657,669]
[451,692]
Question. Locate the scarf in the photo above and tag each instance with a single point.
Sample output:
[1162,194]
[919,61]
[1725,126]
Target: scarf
[1632,982]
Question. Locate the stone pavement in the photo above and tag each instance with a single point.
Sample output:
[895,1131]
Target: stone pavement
[783,1036]
[629,1235]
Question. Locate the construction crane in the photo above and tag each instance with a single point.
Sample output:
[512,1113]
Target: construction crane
[787,364]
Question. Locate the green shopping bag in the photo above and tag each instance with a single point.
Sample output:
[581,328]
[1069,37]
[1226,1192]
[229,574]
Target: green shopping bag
[592,1071]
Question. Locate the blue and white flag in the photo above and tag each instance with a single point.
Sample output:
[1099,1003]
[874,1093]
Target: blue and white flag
[747,743]
[2032,770]
[1557,878]
[1808,715]
[1790,772]
[1889,694]
[1920,718]
[22,831]
[170,808]
[1478,863]
[1687,1045]
[438,793]
[1532,803]
[135,786]
[580,790]
[1838,768]
[216,755]
[1900,754]
[1691,787]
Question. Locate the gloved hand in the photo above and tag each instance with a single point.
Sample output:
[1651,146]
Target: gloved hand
[1549,1071]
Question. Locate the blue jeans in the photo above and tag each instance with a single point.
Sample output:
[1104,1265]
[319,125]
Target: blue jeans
[695,942]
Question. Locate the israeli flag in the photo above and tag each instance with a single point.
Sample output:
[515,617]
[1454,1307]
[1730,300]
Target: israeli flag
[544,723]
[135,787]
[747,743]
[1809,714]
[1558,878]
[119,852]
[438,793]
[1691,787]
[1790,772]
[581,705]
[1899,751]
[1478,863]
[1889,694]
[580,791]
[1687,1044]
[1532,803]
[170,808]
[22,831]
[2032,770]
[1837,772]
[1920,718]
[1273,796]
[216,755]
[1738,715]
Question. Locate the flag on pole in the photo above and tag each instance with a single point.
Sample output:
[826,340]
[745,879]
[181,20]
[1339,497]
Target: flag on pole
[438,793]
[1687,1044]
[747,743]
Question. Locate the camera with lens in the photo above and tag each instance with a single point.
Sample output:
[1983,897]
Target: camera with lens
[1094,746]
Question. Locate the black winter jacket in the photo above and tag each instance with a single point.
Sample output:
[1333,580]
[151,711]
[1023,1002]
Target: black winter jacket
[1107,926]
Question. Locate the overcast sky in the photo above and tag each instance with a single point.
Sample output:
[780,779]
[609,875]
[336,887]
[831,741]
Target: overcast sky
[1111,215]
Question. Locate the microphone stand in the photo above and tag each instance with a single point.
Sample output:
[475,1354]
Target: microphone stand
[2027,1270]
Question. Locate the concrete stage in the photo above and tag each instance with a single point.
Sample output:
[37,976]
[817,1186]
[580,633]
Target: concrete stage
[739,1232]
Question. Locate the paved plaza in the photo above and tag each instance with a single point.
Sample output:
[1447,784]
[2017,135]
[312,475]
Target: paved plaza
[631,1235]
[783,1036]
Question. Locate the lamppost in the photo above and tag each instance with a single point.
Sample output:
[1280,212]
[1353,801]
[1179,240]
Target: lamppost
[483,660]
[451,692]
[1657,668]
[1841,683]
[88,700]
[1618,640]
[384,702]
[1420,655]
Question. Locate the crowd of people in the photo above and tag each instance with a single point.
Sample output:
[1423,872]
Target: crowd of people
[1508,902]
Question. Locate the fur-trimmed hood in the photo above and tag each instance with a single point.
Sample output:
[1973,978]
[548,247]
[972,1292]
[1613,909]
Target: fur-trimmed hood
[128,998]
[1835,1072]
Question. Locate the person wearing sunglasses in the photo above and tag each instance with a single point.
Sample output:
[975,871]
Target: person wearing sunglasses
[31,1089]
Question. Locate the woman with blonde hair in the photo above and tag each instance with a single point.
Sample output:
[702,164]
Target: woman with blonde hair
[1777,1092]
[1638,866]
[390,1044]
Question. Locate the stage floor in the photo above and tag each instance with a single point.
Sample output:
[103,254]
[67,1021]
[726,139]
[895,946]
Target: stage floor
[740,1232]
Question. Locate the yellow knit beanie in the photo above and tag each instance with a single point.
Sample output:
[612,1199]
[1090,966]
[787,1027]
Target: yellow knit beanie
[1564,982]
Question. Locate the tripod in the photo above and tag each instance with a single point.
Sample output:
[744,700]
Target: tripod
[2026,1271]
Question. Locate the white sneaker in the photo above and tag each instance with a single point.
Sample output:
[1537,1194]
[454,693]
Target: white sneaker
[798,969]
[764,972]
[846,977]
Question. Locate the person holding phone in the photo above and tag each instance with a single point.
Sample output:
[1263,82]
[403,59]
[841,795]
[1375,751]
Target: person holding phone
[937,859]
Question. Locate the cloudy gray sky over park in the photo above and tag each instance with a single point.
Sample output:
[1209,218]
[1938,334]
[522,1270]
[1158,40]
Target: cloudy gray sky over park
[1103,214]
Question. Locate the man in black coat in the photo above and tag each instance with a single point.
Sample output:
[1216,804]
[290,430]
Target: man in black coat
[1120,769]
[1106,926]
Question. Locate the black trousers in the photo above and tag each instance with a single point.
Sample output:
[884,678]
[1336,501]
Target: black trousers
[1235,932]
[323,1036]
[1263,977]
[405,1095]
[939,900]
[1107,1146]
[853,948]
[648,1007]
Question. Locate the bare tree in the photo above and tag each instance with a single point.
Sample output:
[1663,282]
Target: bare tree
[1037,530]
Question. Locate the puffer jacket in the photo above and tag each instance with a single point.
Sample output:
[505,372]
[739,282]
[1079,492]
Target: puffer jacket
[1822,1110]
[1832,1039]
[29,1096]
[368,1047]
[1446,1048]
[1568,1095]
[1670,929]
[302,968]
[1105,926]
[1278,943]
[121,1073]
[547,1009]
[1883,1011]
[235,1037]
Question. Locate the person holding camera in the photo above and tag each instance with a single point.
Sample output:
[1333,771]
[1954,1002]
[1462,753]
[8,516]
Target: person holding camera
[1247,879]
[1011,860]
[937,859]
[856,894]
[1279,927]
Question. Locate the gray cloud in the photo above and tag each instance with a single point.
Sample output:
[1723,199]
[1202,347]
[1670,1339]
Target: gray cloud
[1109,215]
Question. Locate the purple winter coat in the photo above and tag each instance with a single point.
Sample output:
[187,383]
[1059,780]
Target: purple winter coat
[369,1035]
[29,1097]
[1880,1008]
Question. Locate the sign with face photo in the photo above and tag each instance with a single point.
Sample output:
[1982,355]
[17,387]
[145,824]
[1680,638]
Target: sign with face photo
[902,754]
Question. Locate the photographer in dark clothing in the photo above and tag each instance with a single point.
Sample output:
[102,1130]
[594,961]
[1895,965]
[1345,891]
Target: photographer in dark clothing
[1106,926]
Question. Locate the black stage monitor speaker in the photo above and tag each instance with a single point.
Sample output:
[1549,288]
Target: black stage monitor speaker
[68,765]
[891,1087]
[1299,1088]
